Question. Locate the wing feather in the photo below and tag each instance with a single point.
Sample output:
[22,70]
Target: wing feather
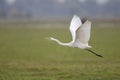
[83,33]
[74,25]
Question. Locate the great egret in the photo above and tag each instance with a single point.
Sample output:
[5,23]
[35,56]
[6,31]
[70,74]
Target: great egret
[80,35]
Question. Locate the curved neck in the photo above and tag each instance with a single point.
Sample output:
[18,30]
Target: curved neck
[59,42]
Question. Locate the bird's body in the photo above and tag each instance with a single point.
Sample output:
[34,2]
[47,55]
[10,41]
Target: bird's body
[80,34]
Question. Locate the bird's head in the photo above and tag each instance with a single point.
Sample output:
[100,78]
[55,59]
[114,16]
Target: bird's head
[49,38]
[52,39]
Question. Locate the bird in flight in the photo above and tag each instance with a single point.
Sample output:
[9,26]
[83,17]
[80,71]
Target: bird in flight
[80,31]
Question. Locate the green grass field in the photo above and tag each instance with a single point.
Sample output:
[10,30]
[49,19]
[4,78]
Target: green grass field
[25,54]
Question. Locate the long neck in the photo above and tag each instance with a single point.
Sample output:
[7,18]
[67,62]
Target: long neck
[59,42]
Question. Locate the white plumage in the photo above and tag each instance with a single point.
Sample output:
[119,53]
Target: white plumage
[74,25]
[80,34]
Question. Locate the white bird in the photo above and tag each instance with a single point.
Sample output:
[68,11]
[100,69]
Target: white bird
[80,35]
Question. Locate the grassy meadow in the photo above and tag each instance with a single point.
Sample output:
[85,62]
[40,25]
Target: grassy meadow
[25,54]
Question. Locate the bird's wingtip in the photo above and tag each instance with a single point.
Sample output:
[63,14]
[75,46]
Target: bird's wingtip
[75,15]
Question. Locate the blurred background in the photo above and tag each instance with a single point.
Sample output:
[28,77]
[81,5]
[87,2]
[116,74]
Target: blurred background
[25,54]
[60,9]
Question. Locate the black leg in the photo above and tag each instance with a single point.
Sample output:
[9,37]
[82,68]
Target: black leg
[94,53]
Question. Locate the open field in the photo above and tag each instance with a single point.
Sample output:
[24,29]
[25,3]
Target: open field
[25,54]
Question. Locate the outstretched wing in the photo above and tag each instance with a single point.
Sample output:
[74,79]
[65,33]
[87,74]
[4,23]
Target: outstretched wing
[74,25]
[83,33]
